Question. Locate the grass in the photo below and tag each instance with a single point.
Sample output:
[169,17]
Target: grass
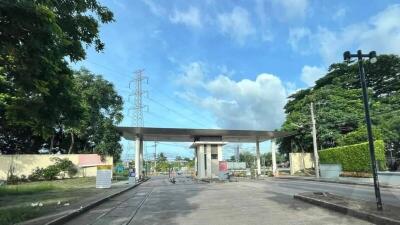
[24,189]
[15,200]
[8,217]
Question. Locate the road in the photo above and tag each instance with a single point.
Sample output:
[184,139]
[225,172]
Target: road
[246,202]
[390,196]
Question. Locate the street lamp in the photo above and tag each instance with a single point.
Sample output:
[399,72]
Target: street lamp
[372,57]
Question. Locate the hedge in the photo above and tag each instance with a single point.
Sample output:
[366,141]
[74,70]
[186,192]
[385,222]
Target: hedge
[354,158]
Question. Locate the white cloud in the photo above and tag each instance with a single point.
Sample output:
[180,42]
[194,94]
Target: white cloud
[299,39]
[192,75]
[261,12]
[244,104]
[309,74]
[290,9]
[191,17]
[236,24]
[381,33]
[154,7]
[291,88]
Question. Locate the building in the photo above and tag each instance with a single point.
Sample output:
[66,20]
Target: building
[207,154]
[207,144]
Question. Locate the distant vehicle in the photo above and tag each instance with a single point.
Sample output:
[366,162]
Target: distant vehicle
[44,150]
[57,150]
[179,172]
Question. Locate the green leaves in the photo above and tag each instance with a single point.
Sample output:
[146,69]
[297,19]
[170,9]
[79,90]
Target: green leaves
[40,99]
[339,108]
[354,158]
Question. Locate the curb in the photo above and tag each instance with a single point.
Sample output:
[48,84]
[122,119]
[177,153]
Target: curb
[373,218]
[64,218]
[339,182]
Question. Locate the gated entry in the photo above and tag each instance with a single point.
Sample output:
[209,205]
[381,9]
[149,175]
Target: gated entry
[206,142]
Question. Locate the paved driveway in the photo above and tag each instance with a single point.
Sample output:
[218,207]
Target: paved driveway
[186,202]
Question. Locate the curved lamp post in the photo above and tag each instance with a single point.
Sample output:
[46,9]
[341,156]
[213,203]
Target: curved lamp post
[372,57]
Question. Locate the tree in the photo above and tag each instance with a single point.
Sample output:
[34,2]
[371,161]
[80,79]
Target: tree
[189,162]
[267,158]
[247,157]
[339,108]
[338,111]
[102,110]
[36,39]
[162,164]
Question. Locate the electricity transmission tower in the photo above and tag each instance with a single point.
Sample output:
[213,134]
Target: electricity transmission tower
[138,93]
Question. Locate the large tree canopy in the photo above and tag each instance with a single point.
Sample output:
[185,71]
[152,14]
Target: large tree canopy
[339,109]
[102,109]
[36,37]
[40,98]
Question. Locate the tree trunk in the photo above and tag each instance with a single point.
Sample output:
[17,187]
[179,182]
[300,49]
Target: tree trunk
[72,143]
[51,143]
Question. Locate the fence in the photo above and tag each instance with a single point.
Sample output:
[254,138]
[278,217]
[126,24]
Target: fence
[300,161]
[24,164]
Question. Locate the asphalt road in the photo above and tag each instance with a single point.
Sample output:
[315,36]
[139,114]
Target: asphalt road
[390,196]
[246,202]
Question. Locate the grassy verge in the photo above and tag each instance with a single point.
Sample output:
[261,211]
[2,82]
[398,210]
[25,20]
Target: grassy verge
[16,200]
[8,216]
[24,189]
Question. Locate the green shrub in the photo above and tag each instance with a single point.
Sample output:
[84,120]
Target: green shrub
[12,179]
[66,165]
[51,172]
[359,136]
[354,158]
[37,174]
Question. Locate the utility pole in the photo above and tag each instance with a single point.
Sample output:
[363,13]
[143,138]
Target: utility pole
[314,134]
[138,93]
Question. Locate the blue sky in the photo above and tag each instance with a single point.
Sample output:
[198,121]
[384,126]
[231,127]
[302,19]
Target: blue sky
[231,64]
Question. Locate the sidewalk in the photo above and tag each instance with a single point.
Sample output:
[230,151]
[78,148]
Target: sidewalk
[358,208]
[341,180]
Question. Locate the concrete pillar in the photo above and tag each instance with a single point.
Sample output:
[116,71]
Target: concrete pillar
[219,152]
[200,160]
[273,150]
[258,158]
[137,157]
[141,157]
[195,160]
[209,166]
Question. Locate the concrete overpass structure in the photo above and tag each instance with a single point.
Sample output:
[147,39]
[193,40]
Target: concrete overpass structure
[206,142]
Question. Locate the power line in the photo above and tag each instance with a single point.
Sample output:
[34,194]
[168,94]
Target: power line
[176,112]
[185,106]
[155,91]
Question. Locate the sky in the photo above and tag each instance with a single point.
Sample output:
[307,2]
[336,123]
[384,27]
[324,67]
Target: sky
[230,64]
